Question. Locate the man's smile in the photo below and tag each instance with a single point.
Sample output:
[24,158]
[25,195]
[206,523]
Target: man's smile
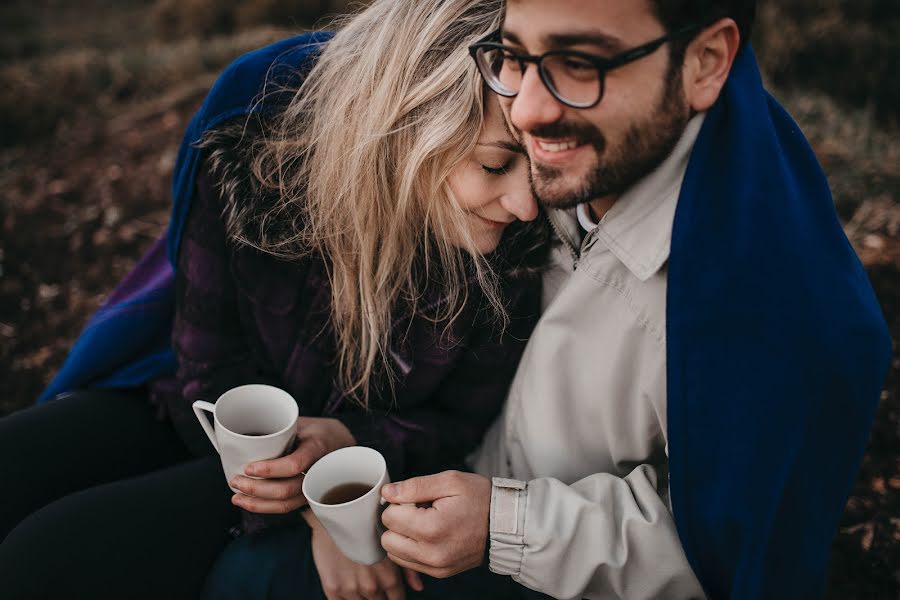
[555,150]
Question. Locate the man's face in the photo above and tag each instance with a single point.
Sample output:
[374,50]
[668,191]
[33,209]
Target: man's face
[578,155]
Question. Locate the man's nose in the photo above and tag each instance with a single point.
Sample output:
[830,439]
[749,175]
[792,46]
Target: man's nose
[521,203]
[534,105]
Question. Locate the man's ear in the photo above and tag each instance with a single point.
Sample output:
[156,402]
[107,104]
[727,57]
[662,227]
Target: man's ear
[707,62]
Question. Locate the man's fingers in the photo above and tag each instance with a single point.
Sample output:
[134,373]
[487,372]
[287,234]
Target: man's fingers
[400,545]
[410,550]
[423,489]
[408,564]
[269,507]
[432,571]
[410,521]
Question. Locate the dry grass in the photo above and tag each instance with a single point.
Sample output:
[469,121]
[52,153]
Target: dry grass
[37,93]
[848,49]
[174,19]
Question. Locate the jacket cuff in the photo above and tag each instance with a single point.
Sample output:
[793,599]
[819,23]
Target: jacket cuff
[509,498]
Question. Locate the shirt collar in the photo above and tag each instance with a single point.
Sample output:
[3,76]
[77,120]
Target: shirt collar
[638,227]
[585,218]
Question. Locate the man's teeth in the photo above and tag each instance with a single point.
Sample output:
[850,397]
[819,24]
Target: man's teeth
[557,146]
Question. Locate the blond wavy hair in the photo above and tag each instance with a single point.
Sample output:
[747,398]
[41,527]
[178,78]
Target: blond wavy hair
[360,161]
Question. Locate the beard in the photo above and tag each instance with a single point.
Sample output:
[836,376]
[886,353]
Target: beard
[645,144]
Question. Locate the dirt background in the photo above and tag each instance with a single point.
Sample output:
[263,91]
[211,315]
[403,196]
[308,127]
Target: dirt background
[94,97]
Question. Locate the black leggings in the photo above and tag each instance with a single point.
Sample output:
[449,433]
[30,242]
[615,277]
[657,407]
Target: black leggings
[100,499]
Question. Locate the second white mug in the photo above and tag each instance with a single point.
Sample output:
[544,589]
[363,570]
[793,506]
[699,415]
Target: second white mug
[355,526]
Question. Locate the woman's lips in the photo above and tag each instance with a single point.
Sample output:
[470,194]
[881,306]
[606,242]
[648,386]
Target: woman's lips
[491,223]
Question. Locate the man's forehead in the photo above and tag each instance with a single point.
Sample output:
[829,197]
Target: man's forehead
[612,25]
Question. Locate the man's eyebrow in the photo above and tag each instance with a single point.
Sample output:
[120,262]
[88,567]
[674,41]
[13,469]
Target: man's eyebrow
[505,145]
[593,38]
[510,37]
[557,41]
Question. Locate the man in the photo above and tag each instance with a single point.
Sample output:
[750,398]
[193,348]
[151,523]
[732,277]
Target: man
[691,410]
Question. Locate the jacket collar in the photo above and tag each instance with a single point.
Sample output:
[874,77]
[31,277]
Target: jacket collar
[638,228]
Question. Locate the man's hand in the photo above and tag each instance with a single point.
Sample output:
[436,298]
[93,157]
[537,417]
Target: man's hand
[343,579]
[446,538]
[280,492]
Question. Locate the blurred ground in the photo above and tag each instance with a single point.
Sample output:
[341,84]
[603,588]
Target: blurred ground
[94,97]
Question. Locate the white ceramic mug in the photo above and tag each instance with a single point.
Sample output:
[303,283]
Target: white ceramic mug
[354,526]
[252,422]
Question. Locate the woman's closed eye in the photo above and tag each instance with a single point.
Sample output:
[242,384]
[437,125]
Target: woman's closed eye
[498,170]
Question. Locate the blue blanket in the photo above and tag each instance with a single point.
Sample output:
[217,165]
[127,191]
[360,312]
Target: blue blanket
[127,342]
[777,349]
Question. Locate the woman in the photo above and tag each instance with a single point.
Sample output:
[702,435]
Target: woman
[355,248]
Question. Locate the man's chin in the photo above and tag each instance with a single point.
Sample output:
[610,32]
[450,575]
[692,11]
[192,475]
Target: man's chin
[558,190]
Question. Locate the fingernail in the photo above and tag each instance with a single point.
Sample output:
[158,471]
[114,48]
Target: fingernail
[389,488]
[250,470]
[234,482]
[236,499]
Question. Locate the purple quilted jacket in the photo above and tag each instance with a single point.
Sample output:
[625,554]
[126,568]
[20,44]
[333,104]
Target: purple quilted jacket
[246,317]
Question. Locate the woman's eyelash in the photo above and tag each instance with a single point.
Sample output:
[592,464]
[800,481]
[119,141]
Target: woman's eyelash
[501,170]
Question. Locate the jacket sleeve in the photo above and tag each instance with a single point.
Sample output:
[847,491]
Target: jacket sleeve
[601,537]
[455,406]
[207,335]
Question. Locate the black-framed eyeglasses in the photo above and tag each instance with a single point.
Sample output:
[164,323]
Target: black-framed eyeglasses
[576,79]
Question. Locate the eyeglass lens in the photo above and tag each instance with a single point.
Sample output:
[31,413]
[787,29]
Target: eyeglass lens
[571,78]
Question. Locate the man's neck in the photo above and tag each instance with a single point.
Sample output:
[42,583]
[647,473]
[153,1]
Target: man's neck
[601,206]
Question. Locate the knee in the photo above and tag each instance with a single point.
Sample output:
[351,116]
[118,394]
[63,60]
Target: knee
[235,573]
[271,564]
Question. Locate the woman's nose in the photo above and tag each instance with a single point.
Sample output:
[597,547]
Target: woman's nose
[520,203]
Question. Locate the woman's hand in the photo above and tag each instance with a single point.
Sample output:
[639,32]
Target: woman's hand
[346,580]
[280,492]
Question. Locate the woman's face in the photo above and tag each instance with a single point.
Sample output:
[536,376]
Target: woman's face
[491,184]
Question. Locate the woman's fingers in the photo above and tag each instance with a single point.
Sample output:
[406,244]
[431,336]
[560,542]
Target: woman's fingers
[269,489]
[265,506]
[413,579]
[390,582]
[291,465]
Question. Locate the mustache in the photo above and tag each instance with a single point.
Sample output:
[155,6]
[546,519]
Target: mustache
[582,132]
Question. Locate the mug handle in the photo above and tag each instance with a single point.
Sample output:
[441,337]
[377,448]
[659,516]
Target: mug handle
[199,408]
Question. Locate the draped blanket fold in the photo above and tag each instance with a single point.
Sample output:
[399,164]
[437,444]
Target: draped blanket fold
[127,341]
[776,346]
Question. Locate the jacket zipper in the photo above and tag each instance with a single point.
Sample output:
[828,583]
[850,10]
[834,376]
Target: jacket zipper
[565,240]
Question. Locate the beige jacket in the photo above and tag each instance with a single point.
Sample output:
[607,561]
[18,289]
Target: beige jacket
[580,505]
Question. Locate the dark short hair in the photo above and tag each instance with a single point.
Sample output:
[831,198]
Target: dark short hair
[675,14]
